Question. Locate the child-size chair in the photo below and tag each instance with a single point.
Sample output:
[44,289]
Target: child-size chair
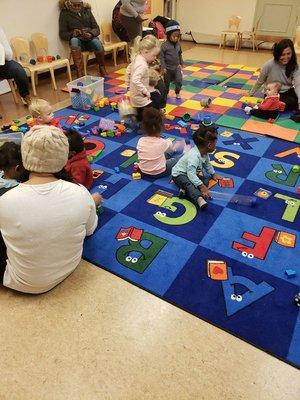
[297,41]
[12,86]
[233,30]
[21,50]
[250,35]
[111,45]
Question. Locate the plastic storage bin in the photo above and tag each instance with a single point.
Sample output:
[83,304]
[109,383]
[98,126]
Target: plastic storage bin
[86,91]
[11,137]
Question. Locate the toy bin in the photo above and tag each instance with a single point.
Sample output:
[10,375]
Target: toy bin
[11,137]
[86,91]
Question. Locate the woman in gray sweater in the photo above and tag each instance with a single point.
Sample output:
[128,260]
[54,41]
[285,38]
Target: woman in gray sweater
[131,14]
[284,69]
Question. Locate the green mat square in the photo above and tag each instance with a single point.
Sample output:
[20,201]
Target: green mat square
[191,61]
[219,88]
[219,78]
[190,78]
[190,88]
[297,138]
[288,123]
[230,122]
[238,80]
[247,87]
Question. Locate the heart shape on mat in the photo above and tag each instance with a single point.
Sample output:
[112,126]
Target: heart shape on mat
[218,270]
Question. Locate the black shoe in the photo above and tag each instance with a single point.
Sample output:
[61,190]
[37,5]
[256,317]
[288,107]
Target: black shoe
[181,193]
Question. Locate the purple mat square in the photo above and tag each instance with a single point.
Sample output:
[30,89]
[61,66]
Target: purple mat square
[237,112]
[198,97]
[174,101]
[232,96]
[232,70]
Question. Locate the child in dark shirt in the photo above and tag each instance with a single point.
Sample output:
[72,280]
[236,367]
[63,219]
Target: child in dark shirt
[155,95]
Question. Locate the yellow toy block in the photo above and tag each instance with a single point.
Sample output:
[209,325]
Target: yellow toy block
[128,153]
[136,175]
[103,134]
[14,128]
[170,117]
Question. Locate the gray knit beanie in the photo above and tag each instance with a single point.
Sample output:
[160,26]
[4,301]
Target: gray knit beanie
[44,149]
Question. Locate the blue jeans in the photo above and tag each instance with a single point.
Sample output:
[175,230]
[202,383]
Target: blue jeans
[13,70]
[87,45]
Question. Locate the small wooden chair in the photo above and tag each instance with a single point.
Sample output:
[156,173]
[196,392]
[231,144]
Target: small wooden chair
[233,30]
[21,50]
[110,45]
[297,41]
[85,57]
[12,86]
[250,35]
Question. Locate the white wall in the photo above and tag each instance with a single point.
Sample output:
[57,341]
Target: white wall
[211,16]
[22,18]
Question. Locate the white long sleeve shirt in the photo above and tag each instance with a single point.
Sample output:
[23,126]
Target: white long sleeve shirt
[43,227]
[6,46]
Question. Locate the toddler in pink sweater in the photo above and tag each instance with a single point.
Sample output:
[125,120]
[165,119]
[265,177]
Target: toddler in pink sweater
[143,54]
[156,155]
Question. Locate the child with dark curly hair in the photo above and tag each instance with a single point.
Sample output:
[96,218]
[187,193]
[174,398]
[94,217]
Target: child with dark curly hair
[185,172]
[156,155]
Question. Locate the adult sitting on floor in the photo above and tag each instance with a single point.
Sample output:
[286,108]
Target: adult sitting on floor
[78,26]
[44,220]
[10,69]
[282,68]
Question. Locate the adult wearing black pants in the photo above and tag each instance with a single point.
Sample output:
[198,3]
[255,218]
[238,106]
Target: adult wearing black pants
[10,69]
[131,14]
[283,68]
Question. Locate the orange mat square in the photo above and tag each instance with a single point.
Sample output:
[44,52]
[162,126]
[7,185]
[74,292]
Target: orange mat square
[180,111]
[265,128]
[210,92]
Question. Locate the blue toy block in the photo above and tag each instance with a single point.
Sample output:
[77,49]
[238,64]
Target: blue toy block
[182,124]
[117,170]
[290,273]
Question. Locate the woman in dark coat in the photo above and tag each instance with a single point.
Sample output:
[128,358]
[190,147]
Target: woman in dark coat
[78,26]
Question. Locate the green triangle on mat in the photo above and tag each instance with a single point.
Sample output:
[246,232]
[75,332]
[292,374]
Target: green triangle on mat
[230,121]
[297,138]
[288,123]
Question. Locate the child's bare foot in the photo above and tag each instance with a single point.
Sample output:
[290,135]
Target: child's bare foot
[98,199]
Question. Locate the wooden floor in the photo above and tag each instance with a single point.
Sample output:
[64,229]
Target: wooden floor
[96,336]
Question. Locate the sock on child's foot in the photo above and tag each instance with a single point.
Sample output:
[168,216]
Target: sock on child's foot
[202,203]
[181,193]
[178,97]
[247,109]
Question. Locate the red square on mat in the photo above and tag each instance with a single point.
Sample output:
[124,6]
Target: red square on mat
[238,105]
[180,111]
[215,108]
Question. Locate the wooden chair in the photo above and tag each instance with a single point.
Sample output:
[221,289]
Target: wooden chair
[110,45]
[233,31]
[12,86]
[21,50]
[297,41]
[85,57]
[250,35]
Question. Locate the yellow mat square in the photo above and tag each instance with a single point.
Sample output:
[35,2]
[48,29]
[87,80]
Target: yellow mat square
[157,200]
[192,104]
[169,108]
[224,102]
[214,67]
[235,66]
[121,71]
[194,69]
[249,69]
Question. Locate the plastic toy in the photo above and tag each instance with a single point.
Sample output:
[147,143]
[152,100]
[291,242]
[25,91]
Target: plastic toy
[207,120]
[234,198]
[136,175]
[205,102]
[58,57]
[182,124]
[297,299]
[296,168]
[290,273]
[125,109]
[169,117]
[186,117]
[117,170]
[32,61]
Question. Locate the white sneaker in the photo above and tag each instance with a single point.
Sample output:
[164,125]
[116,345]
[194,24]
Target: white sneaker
[247,110]
[202,203]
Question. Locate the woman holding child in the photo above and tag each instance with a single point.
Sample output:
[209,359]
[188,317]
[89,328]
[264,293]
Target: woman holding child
[282,68]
